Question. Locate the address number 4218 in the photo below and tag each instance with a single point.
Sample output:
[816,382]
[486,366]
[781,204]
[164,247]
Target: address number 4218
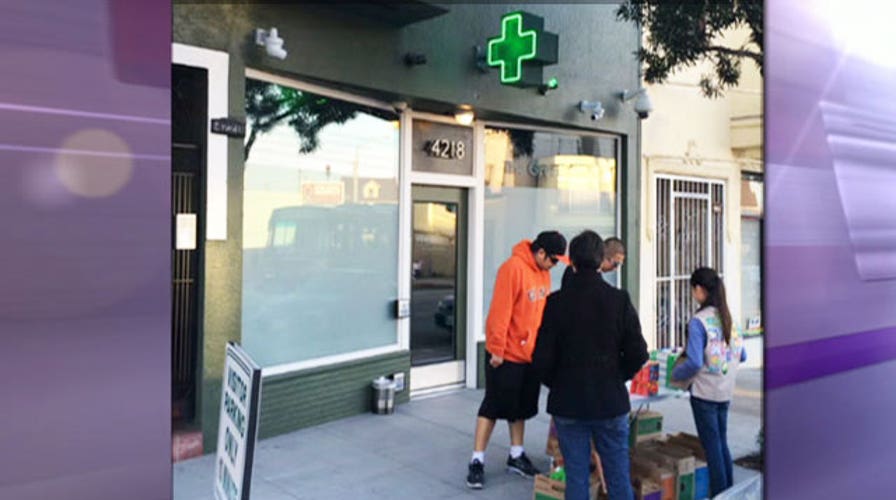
[444,148]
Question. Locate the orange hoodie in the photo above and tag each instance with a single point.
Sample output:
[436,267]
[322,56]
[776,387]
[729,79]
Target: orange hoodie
[521,288]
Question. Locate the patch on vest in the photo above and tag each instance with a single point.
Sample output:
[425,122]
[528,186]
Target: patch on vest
[718,354]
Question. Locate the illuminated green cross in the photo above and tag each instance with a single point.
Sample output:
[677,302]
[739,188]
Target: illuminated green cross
[512,48]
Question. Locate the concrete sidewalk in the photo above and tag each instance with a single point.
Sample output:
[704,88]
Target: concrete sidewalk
[421,452]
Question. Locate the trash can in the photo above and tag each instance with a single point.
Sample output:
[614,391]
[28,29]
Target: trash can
[383,396]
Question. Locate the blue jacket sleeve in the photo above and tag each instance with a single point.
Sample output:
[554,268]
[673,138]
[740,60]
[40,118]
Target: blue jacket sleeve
[696,346]
[743,355]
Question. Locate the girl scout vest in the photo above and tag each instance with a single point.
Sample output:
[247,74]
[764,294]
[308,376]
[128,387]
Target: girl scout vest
[715,380]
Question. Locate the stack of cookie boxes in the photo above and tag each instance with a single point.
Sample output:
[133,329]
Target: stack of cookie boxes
[667,359]
[646,381]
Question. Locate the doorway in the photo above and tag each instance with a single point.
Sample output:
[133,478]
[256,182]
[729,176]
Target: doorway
[438,287]
[690,220]
[189,98]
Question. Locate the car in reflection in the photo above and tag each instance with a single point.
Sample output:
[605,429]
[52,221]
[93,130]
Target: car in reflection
[444,315]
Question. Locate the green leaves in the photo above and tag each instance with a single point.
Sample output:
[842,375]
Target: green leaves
[269,104]
[681,33]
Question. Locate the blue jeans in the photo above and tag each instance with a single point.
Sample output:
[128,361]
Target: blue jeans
[611,440]
[711,419]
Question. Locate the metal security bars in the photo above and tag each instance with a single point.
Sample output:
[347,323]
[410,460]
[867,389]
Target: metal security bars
[690,234]
[185,270]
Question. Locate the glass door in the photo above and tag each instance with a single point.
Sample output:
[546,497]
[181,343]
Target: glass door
[438,286]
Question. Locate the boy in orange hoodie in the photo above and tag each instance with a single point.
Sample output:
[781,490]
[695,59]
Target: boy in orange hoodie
[511,384]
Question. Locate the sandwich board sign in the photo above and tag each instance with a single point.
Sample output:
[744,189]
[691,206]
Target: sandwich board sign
[238,425]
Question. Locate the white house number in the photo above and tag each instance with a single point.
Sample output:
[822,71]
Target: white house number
[446,149]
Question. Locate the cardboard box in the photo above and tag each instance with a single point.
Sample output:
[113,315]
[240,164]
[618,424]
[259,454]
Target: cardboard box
[645,489]
[644,388]
[682,460]
[701,472]
[701,481]
[690,442]
[546,488]
[552,449]
[678,460]
[667,360]
[686,486]
[664,477]
[645,425]
[649,372]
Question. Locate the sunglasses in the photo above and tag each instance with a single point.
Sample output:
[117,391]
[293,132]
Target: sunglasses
[614,264]
[554,258]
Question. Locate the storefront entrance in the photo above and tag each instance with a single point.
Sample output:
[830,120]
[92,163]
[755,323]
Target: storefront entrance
[189,110]
[690,217]
[438,287]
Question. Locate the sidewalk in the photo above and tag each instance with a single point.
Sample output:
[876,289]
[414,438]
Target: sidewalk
[421,452]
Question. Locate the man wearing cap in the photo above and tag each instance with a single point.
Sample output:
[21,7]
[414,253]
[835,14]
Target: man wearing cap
[511,384]
[613,257]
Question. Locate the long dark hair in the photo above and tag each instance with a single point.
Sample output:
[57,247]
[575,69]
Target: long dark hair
[709,279]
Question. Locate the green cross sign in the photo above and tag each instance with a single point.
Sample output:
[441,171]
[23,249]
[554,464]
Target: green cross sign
[522,49]
[512,48]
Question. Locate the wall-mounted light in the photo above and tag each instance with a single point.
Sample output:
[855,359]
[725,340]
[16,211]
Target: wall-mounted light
[595,108]
[464,115]
[414,59]
[271,42]
[643,106]
[480,59]
[548,86]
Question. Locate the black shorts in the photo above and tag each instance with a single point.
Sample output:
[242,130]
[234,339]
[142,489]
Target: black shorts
[511,391]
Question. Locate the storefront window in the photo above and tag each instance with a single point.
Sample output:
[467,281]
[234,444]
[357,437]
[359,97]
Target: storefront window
[537,181]
[320,225]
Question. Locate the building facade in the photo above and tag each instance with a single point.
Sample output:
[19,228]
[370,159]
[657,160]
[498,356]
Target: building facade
[385,172]
[702,178]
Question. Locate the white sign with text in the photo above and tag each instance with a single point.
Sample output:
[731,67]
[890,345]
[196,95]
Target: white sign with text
[238,425]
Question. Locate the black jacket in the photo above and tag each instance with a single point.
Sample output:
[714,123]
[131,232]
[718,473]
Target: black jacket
[567,275]
[589,345]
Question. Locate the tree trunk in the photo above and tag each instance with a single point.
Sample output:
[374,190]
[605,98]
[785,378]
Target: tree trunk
[252,136]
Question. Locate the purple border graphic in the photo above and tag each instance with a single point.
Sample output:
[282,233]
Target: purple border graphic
[830,295]
[85,271]
[792,364]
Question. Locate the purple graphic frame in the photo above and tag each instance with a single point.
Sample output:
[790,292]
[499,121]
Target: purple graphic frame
[830,262]
[85,278]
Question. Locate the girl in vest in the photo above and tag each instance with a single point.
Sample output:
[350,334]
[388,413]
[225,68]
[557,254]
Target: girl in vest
[713,354]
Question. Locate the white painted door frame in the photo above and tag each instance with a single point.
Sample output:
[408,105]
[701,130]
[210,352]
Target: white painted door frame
[463,372]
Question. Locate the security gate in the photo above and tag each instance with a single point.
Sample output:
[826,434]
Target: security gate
[189,87]
[690,234]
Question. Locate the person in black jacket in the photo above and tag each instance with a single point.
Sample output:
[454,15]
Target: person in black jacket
[589,344]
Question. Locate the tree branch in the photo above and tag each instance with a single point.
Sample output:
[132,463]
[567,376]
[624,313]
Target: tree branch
[261,126]
[276,119]
[755,56]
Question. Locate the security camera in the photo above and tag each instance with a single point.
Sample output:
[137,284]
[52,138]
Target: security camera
[643,106]
[272,43]
[277,52]
[399,106]
[595,108]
